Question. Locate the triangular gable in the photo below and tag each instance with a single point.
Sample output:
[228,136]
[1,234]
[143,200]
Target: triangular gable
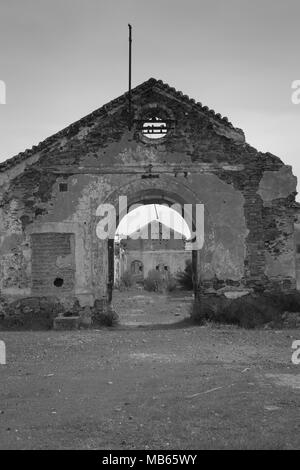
[221,124]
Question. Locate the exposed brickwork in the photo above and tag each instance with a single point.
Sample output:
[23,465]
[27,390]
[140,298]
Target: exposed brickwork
[52,263]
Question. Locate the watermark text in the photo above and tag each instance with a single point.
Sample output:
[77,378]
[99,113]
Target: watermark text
[2,92]
[296,93]
[296,353]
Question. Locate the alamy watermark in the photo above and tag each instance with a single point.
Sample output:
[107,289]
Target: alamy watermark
[296,93]
[2,92]
[2,353]
[296,353]
[192,214]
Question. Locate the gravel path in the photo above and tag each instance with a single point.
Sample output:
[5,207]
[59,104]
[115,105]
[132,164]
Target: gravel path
[167,386]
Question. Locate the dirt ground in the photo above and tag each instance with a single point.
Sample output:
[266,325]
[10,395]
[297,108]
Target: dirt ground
[154,382]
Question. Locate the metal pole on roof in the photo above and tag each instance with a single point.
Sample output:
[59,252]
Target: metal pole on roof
[129,78]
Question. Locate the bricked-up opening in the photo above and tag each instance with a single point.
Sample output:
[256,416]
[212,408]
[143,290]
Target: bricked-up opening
[53,263]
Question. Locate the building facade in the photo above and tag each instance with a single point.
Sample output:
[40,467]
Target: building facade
[170,150]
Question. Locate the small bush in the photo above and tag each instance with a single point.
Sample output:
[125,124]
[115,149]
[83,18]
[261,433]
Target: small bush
[250,311]
[154,281]
[285,301]
[198,314]
[103,315]
[185,278]
[208,309]
[127,279]
[171,284]
[109,318]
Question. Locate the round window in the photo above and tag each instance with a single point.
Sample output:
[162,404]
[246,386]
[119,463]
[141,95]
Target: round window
[154,128]
[155,122]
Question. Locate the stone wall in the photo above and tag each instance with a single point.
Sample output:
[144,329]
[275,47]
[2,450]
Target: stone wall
[175,261]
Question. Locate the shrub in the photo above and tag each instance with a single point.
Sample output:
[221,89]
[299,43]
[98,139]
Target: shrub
[185,278]
[198,313]
[208,309]
[108,318]
[249,311]
[171,284]
[103,314]
[154,281]
[127,279]
[285,301]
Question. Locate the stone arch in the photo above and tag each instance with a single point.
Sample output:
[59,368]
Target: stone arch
[150,191]
[136,266]
[137,270]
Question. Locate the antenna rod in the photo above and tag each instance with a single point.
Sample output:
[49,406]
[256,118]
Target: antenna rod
[129,80]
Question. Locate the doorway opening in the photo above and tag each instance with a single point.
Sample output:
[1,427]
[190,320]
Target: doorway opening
[152,266]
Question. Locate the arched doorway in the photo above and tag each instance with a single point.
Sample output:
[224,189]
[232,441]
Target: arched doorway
[166,190]
[155,242]
[136,270]
[138,267]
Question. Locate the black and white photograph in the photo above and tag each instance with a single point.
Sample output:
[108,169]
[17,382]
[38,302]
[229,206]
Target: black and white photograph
[149,228]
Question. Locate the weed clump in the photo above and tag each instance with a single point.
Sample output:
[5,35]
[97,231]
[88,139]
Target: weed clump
[185,278]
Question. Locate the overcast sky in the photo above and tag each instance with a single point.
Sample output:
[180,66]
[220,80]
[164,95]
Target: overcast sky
[61,59]
[138,217]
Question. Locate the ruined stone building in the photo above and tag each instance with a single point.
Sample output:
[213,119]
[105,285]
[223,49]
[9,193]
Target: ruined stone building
[175,151]
[154,247]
